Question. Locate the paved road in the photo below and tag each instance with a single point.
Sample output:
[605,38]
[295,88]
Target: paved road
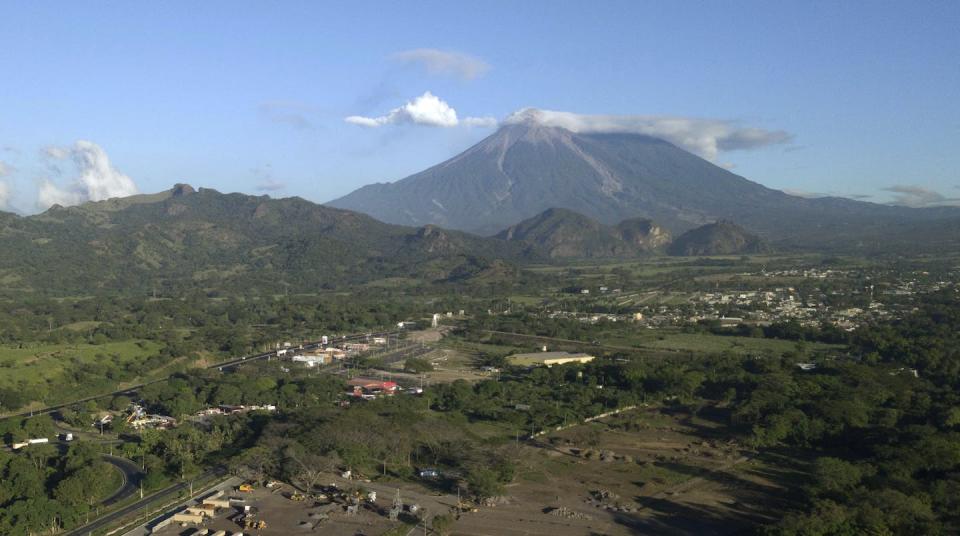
[131,479]
[225,365]
[113,517]
[146,528]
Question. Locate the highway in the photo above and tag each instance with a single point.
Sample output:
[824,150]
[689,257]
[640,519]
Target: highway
[225,365]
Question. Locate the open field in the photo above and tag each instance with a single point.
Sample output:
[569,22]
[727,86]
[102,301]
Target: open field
[448,366]
[710,343]
[36,363]
[659,342]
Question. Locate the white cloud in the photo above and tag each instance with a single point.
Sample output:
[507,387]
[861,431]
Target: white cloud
[50,194]
[5,190]
[4,194]
[426,110]
[57,153]
[443,62]
[97,180]
[911,195]
[705,137]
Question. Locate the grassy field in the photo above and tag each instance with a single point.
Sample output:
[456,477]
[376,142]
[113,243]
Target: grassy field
[526,300]
[709,343]
[37,363]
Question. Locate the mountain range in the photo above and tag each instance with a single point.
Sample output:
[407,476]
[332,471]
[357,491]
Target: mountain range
[186,238]
[525,168]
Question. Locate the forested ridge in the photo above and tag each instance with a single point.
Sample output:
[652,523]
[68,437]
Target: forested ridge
[183,240]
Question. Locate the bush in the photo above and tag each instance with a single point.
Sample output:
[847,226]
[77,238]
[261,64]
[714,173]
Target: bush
[417,365]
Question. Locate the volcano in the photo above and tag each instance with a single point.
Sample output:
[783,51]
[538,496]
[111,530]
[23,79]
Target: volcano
[527,167]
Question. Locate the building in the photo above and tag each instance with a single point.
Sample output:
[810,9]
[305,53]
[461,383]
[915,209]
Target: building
[549,359]
[368,386]
[311,361]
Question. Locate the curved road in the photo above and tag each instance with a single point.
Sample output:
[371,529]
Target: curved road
[112,517]
[131,479]
[129,471]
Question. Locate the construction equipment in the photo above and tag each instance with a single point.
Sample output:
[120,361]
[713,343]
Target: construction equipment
[297,496]
[245,488]
[254,524]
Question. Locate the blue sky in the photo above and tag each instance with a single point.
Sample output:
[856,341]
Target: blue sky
[253,96]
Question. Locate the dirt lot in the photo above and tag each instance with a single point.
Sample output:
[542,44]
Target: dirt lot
[285,516]
[448,366]
[643,472]
[646,473]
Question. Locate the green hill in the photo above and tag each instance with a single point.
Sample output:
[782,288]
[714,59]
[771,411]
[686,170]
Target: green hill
[720,238]
[183,238]
[561,233]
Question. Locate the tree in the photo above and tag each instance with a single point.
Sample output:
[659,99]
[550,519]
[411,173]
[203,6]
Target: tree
[417,365]
[483,483]
[255,464]
[39,426]
[306,466]
[40,454]
[836,476]
[442,524]
[120,403]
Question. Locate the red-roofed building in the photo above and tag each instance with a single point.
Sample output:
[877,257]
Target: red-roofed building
[367,386]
